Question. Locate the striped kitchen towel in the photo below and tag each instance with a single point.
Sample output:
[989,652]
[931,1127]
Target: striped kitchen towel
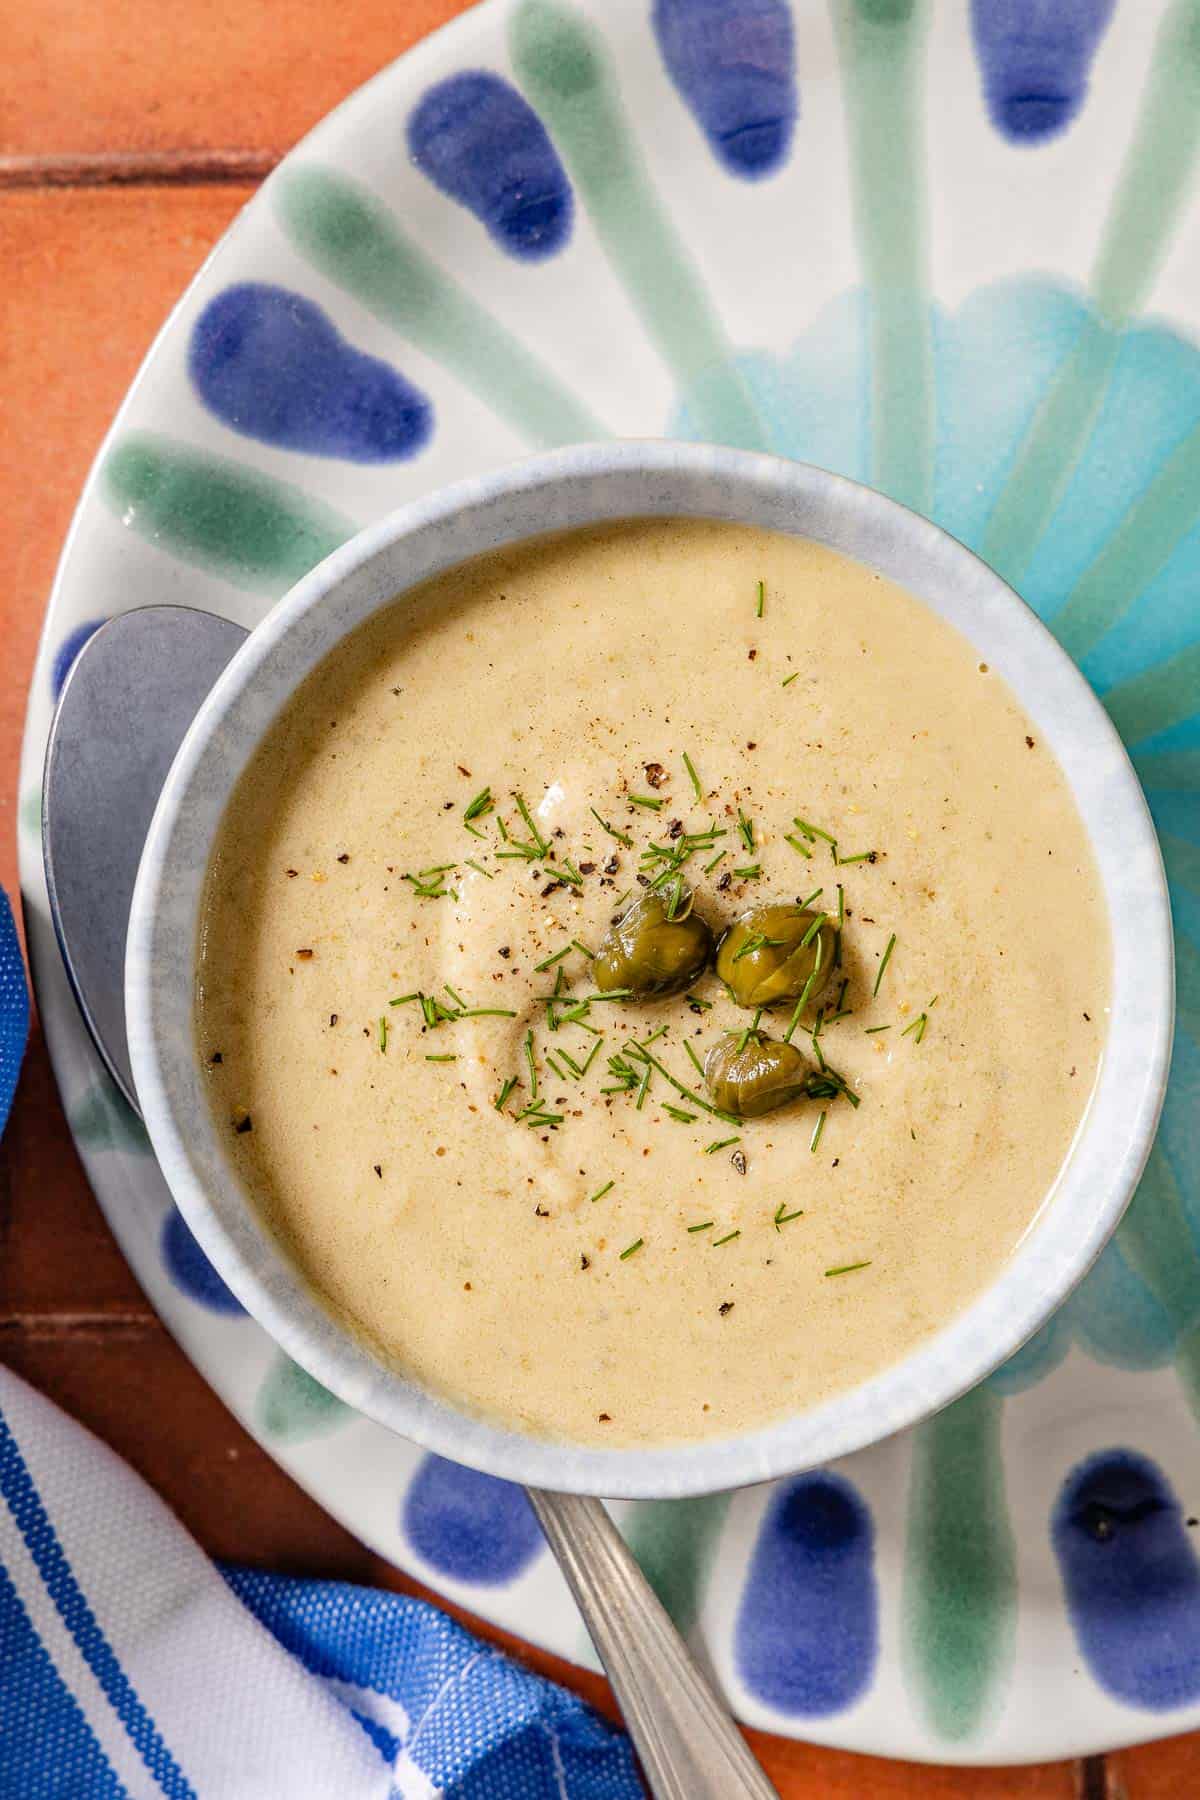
[130,1665]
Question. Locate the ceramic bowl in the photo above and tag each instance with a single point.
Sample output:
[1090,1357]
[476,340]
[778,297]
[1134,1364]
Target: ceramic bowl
[579,487]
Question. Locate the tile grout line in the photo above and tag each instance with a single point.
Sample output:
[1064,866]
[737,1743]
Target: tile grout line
[128,168]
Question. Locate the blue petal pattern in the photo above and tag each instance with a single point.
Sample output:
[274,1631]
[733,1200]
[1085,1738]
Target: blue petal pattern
[470,1526]
[807,1633]
[1035,57]
[733,62]
[481,142]
[271,365]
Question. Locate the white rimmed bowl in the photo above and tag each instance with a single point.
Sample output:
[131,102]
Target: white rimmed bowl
[581,486]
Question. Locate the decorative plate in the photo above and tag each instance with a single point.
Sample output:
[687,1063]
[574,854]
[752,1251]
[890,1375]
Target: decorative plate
[948,251]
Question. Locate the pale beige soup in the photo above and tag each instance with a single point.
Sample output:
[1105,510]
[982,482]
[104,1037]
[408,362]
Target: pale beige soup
[600,1270]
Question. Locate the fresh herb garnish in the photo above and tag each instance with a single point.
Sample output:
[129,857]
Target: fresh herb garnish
[721,1144]
[583,949]
[696,1063]
[761,600]
[797,845]
[727,1239]
[718,858]
[677,1112]
[848,1268]
[481,804]
[552,960]
[441,1059]
[707,1226]
[844,862]
[631,1248]
[816,1136]
[652,802]
[383,1032]
[887,957]
[536,836]
[918,1026]
[606,1189]
[479,869]
[788,679]
[783,1217]
[746,828]
[621,836]
[811,831]
[505,1091]
[529,1058]
[872,1029]
[749,872]
[692,776]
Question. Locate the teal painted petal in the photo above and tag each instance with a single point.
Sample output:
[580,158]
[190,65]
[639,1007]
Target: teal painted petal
[1037,1358]
[881,56]
[1157,1240]
[1171,771]
[960,1569]
[290,1406]
[101,1120]
[1156,699]
[675,1542]
[257,533]
[564,67]
[816,400]
[1117,1318]
[347,233]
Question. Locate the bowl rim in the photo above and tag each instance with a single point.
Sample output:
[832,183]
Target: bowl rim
[560,490]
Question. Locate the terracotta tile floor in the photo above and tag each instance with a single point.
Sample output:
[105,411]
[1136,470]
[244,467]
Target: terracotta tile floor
[116,176]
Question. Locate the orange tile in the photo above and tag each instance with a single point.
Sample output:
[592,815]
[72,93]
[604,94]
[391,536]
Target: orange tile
[85,78]
[88,278]
[1166,1771]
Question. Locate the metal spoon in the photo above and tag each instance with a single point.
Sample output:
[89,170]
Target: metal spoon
[128,700]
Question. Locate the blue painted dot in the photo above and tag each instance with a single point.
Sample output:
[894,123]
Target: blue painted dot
[1035,61]
[733,62]
[807,1633]
[271,365]
[191,1270]
[68,650]
[470,1526]
[481,142]
[1132,1579]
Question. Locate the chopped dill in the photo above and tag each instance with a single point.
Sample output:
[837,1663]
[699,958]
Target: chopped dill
[887,957]
[505,1091]
[532,1062]
[783,1217]
[621,836]
[727,1239]
[654,803]
[631,1248]
[746,828]
[720,1144]
[606,1189]
[481,804]
[692,776]
[847,1268]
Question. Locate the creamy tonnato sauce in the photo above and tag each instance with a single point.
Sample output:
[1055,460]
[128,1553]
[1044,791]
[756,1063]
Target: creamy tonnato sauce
[508,1180]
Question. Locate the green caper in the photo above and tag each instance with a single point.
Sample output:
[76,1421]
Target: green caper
[657,946]
[775,953]
[748,1074]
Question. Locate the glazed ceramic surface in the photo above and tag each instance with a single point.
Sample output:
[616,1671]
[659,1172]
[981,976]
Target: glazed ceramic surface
[951,250]
[582,487]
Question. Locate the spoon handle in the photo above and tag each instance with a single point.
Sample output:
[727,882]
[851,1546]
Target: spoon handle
[688,1746]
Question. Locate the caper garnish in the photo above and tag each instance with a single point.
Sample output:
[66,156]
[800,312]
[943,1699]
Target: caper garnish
[748,1074]
[775,953]
[657,946]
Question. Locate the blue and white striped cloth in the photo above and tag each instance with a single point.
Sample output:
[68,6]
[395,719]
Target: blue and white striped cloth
[130,1665]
